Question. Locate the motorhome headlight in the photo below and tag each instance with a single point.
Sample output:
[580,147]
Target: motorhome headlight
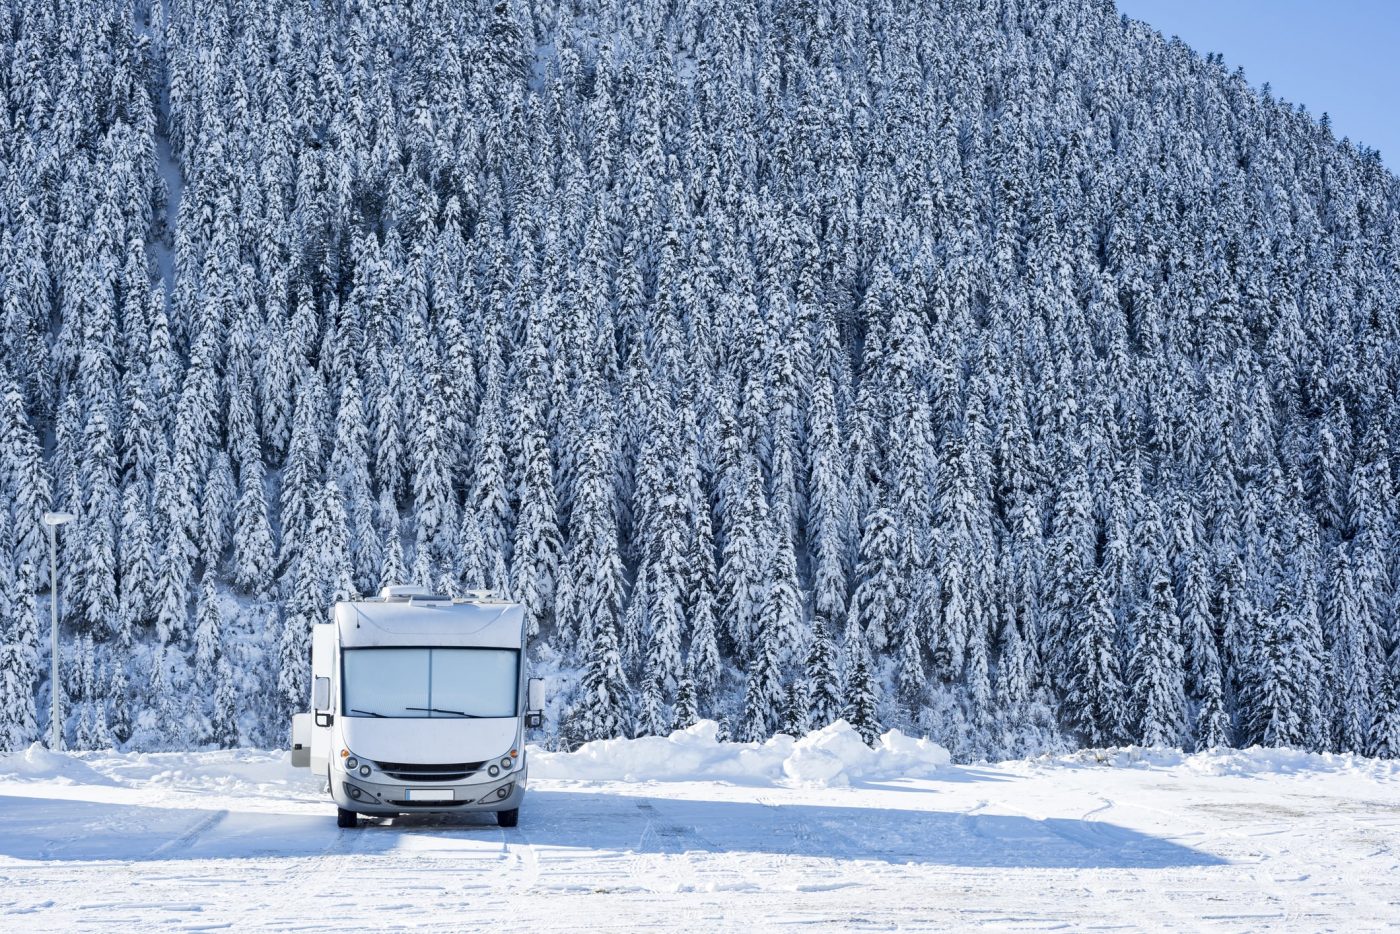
[351,764]
[364,770]
[505,790]
[493,771]
[507,762]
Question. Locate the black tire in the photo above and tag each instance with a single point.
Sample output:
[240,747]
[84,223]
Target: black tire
[508,818]
[344,818]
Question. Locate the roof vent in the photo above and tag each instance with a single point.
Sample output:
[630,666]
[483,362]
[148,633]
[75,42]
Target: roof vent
[410,593]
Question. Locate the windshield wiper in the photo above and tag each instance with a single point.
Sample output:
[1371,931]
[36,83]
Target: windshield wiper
[459,713]
[367,713]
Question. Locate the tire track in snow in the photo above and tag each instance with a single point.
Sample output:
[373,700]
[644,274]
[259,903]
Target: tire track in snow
[1089,833]
[669,842]
[522,854]
[305,880]
[837,855]
[200,828]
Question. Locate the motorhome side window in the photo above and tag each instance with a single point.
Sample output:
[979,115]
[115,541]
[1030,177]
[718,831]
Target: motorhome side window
[430,682]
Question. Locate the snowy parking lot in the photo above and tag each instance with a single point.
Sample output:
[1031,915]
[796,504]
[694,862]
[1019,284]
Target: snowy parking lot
[719,837]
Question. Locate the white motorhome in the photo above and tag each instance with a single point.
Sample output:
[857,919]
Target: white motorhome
[419,706]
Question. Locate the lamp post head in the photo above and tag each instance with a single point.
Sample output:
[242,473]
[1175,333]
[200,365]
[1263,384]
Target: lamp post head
[58,518]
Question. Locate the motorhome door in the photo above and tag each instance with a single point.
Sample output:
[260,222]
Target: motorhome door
[323,706]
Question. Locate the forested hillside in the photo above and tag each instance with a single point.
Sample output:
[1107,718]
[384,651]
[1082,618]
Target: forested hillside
[996,369]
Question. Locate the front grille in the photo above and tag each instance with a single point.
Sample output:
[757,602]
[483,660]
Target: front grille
[418,772]
[429,804]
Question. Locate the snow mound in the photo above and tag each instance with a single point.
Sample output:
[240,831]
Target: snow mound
[1256,760]
[231,771]
[39,764]
[833,756]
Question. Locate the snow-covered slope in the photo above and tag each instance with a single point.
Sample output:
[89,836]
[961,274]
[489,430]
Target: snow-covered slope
[999,371]
[687,834]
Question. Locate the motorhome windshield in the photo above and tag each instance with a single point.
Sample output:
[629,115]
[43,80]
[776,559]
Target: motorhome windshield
[430,682]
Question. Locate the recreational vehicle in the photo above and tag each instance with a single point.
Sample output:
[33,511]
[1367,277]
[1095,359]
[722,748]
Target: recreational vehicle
[419,704]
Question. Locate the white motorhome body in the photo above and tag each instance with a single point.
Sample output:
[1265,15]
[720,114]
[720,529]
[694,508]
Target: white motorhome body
[419,705]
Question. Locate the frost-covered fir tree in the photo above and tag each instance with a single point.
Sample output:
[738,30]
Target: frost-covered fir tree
[136,602]
[1384,736]
[208,631]
[1095,695]
[601,710]
[860,697]
[824,679]
[686,713]
[1354,651]
[26,482]
[18,656]
[763,695]
[223,720]
[254,557]
[1156,671]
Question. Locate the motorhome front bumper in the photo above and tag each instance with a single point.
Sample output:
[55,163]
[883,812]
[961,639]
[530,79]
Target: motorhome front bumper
[366,796]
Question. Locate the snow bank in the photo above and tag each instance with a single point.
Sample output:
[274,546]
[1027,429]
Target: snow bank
[39,764]
[833,756]
[231,771]
[1256,760]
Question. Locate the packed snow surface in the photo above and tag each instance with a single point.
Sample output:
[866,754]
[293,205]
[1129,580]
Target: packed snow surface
[687,833]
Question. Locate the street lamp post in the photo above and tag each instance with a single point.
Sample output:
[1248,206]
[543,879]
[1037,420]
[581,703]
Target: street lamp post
[53,520]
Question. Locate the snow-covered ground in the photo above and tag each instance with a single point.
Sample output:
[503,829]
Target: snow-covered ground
[688,834]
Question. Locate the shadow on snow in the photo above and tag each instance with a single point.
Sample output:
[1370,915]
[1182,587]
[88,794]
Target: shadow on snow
[54,829]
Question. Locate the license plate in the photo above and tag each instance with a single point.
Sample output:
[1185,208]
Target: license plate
[427,794]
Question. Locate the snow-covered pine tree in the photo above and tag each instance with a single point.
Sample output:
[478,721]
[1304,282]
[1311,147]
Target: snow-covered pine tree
[743,556]
[163,718]
[208,631]
[119,715]
[1267,715]
[797,705]
[136,560]
[860,693]
[392,570]
[328,543]
[1384,736]
[303,610]
[686,713]
[223,720]
[26,483]
[96,571]
[301,473]
[1156,672]
[350,468]
[821,672]
[1354,651]
[1094,694]
[601,711]
[254,556]
[536,549]
[216,510]
[434,504]
[17,650]
[763,695]
[877,599]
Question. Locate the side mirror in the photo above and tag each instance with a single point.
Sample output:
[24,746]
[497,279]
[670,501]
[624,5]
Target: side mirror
[321,694]
[534,702]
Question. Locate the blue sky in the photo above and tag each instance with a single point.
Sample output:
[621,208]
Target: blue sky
[1339,57]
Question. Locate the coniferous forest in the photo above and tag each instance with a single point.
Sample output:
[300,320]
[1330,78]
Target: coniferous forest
[994,369]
